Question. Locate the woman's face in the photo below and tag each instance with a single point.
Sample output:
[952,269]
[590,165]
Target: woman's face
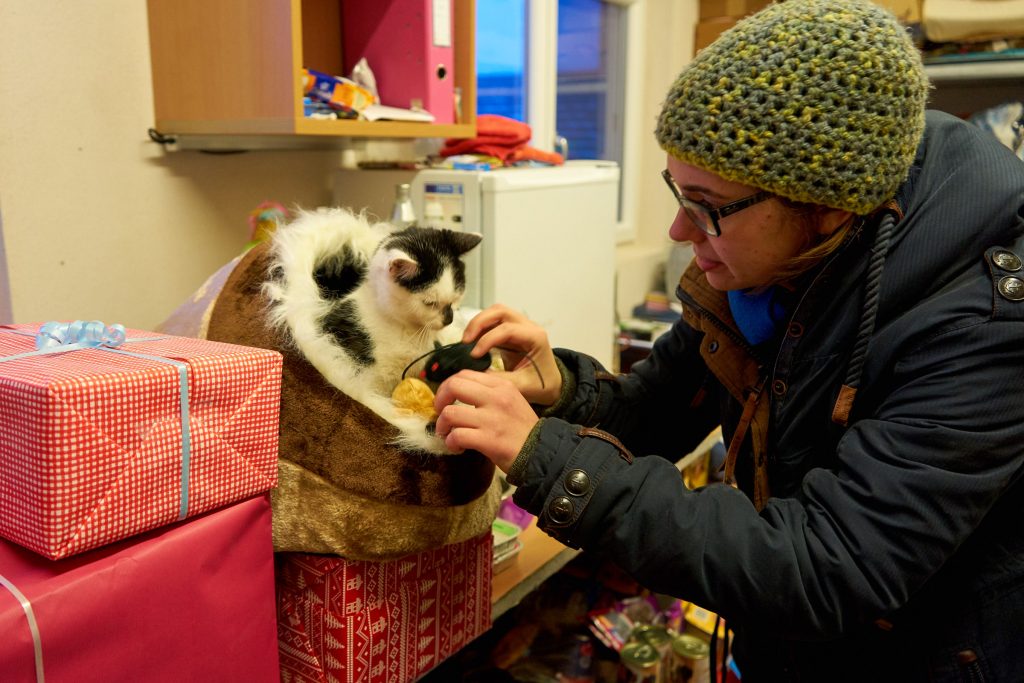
[754,242]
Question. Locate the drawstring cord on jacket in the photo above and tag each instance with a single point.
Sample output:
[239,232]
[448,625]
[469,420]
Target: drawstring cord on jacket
[713,673]
[869,311]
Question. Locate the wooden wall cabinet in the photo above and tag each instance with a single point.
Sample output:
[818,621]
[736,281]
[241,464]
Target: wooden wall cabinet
[234,68]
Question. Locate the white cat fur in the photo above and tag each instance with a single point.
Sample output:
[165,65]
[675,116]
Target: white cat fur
[298,306]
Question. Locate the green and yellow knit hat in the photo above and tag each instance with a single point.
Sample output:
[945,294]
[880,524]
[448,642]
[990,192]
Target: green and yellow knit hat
[818,101]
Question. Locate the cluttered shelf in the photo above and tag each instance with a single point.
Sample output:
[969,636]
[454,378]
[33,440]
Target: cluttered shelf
[975,70]
[211,80]
[966,84]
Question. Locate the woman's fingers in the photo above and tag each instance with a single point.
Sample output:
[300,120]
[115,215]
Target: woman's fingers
[525,351]
[491,316]
[483,412]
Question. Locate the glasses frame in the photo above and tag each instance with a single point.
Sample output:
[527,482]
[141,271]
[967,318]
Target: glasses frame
[694,208]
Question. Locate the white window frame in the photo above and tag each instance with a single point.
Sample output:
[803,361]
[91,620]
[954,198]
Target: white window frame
[541,95]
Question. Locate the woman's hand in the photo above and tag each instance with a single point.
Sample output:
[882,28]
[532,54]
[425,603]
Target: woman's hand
[483,411]
[520,341]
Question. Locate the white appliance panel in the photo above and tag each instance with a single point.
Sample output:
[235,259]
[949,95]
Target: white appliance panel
[548,244]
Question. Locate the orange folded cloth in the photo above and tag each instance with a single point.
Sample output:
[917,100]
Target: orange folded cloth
[527,153]
[500,137]
[492,129]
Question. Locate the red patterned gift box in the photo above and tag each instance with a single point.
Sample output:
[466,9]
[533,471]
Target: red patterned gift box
[380,622]
[99,444]
[193,601]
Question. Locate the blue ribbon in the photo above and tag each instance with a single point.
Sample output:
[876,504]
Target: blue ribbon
[33,627]
[57,337]
[86,334]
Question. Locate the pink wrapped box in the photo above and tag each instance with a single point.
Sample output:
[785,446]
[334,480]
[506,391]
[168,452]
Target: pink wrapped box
[99,444]
[189,602]
[380,622]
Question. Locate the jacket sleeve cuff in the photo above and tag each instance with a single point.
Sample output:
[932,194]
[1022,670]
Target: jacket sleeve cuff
[517,471]
[567,393]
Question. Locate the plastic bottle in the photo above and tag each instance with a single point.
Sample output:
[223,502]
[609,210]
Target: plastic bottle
[402,214]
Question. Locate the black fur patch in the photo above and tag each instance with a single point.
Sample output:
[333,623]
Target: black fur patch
[339,275]
[434,250]
[342,323]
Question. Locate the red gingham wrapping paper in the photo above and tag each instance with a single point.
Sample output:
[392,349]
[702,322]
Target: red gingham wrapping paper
[91,440]
[380,622]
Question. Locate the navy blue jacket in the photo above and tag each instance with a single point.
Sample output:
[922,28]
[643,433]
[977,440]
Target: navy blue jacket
[891,548]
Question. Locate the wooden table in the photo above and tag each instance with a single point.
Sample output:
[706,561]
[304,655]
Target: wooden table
[539,559]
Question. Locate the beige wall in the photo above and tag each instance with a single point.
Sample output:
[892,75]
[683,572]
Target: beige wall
[98,222]
[668,34]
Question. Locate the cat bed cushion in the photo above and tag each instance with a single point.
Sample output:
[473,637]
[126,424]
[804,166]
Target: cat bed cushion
[344,488]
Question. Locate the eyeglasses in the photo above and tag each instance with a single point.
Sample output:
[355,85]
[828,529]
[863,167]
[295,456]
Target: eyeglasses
[705,216]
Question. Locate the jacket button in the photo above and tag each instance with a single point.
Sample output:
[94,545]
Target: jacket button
[795,330]
[560,510]
[1011,288]
[1007,260]
[577,483]
[779,387]
[966,657]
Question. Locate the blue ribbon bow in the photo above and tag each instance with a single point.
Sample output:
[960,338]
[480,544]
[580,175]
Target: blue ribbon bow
[83,333]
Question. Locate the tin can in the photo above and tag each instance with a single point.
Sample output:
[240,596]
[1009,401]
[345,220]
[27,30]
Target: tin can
[689,660]
[639,662]
[580,668]
[660,639]
[657,637]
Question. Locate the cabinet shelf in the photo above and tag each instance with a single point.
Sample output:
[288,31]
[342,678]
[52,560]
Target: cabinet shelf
[962,88]
[994,70]
[234,68]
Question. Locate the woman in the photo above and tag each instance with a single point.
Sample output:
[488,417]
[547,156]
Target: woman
[853,319]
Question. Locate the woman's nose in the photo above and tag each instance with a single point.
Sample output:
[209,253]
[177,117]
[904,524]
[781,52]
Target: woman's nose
[683,229]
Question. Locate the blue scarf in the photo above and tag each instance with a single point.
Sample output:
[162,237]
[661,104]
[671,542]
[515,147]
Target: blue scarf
[757,314]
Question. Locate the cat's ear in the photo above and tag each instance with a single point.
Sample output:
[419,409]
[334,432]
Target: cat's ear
[464,241]
[402,268]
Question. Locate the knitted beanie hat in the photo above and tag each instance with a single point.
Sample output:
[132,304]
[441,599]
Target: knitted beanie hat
[818,101]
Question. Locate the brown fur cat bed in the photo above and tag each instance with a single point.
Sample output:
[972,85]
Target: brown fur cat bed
[344,488]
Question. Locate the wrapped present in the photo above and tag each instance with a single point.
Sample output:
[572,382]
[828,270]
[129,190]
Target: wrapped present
[380,622]
[108,433]
[193,601]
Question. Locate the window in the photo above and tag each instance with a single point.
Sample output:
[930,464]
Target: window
[562,67]
[589,97]
[501,58]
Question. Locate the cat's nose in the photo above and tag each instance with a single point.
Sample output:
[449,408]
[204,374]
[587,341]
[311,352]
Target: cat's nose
[449,315]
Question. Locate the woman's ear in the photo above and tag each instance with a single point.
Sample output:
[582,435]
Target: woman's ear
[830,220]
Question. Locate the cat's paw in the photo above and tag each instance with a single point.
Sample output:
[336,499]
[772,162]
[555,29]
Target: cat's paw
[423,438]
[415,432]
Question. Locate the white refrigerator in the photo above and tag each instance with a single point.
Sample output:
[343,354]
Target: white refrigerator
[548,245]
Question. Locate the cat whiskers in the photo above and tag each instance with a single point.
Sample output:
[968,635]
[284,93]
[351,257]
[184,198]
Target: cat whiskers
[424,336]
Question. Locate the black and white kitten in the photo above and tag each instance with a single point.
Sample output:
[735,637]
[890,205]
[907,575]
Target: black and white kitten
[361,301]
